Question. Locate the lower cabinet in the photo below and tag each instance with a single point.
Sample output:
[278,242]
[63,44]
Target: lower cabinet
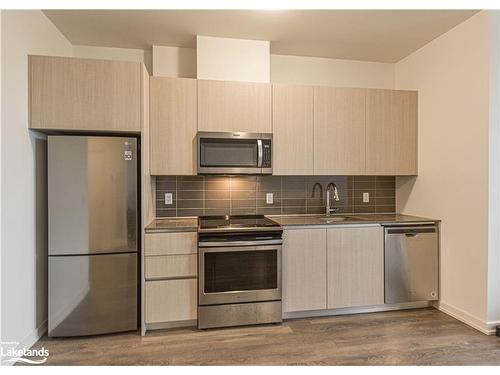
[171,266]
[171,279]
[355,263]
[304,270]
[330,268]
[171,300]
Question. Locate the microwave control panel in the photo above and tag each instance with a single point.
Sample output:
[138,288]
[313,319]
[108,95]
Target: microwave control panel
[266,153]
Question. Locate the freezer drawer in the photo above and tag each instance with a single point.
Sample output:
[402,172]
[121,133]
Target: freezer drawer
[411,264]
[92,294]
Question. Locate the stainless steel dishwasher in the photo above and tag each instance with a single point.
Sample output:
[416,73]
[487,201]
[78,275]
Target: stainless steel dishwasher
[411,263]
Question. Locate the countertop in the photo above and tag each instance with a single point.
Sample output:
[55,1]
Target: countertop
[304,220]
[191,224]
[173,225]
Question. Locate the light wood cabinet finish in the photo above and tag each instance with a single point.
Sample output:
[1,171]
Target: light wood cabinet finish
[391,132]
[171,300]
[339,131]
[147,183]
[173,126]
[84,94]
[234,106]
[147,189]
[292,130]
[171,266]
[171,243]
[355,260]
[304,270]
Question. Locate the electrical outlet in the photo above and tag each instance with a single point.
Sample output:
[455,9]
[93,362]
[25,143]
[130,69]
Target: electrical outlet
[269,198]
[168,198]
[366,197]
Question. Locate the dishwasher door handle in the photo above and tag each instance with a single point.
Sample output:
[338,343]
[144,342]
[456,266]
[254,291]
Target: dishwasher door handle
[411,234]
[411,230]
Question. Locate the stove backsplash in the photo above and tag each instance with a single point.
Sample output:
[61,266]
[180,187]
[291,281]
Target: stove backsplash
[241,195]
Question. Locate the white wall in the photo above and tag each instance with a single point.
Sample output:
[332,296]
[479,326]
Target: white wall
[109,53]
[334,72]
[232,59]
[181,62]
[23,313]
[174,62]
[453,77]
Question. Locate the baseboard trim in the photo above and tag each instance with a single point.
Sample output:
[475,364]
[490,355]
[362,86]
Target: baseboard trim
[28,341]
[356,310]
[488,328]
[492,326]
[171,325]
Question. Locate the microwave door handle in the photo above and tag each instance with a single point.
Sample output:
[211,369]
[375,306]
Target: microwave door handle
[259,150]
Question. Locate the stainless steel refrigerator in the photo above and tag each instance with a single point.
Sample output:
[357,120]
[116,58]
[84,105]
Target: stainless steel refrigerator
[93,226]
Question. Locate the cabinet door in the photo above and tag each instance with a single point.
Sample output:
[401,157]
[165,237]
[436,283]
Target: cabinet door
[292,130]
[171,300]
[339,131]
[84,94]
[355,259]
[391,132]
[234,106]
[304,270]
[173,126]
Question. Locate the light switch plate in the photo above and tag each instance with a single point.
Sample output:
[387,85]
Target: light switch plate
[168,198]
[366,197]
[269,198]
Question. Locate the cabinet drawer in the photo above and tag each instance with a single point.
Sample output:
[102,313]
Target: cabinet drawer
[171,266]
[171,300]
[171,243]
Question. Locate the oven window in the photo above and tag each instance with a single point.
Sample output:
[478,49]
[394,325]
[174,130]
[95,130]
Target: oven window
[228,153]
[241,270]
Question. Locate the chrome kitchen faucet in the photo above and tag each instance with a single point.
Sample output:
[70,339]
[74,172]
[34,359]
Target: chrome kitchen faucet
[335,198]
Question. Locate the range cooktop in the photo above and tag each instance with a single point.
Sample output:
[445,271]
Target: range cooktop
[236,223]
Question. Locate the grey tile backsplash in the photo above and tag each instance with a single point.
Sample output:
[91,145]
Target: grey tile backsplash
[235,195]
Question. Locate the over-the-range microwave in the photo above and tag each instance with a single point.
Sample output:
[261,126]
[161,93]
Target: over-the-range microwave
[234,153]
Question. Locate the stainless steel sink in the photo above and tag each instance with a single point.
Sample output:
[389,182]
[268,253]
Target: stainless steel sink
[333,219]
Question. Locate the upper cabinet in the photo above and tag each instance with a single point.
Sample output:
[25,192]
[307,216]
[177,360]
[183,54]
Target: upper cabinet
[391,132]
[316,130]
[353,131]
[234,106]
[173,126]
[292,130]
[339,131]
[84,94]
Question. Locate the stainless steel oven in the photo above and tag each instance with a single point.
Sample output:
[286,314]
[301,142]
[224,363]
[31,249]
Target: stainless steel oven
[239,280]
[234,153]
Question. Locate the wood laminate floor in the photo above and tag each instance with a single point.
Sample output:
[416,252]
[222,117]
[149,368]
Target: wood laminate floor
[411,337]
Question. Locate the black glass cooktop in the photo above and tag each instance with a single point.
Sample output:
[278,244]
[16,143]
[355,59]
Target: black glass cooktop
[237,222]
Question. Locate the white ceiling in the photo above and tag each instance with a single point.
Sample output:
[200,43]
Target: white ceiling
[371,35]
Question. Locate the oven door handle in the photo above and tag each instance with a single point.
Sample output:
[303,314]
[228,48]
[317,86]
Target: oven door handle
[259,149]
[239,243]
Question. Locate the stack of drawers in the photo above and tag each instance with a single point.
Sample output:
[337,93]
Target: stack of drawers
[171,274]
